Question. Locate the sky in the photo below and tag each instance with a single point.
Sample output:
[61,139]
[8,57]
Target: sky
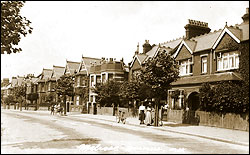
[68,30]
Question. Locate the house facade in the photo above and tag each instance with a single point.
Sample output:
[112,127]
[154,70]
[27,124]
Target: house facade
[203,56]
[31,89]
[42,86]
[70,69]
[103,71]
[208,57]
[81,85]
[57,72]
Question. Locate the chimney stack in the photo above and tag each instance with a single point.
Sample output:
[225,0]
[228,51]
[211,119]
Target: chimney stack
[137,50]
[146,47]
[195,28]
[245,17]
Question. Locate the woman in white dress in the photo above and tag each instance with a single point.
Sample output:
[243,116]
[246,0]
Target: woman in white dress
[148,119]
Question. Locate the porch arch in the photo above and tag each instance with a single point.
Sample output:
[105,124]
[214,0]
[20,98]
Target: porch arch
[193,100]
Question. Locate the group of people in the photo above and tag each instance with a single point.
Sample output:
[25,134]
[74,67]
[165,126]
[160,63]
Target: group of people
[146,114]
[121,117]
[56,108]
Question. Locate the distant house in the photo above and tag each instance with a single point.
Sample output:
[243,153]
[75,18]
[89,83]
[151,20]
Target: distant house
[103,71]
[70,69]
[149,51]
[5,88]
[57,72]
[31,88]
[82,83]
[42,86]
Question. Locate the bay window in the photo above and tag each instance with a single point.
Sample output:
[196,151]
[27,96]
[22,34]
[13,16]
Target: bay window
[227,61]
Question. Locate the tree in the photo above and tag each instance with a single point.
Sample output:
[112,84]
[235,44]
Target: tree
[33,97]
[19,93]
[13,25]
[108,93]
[64,87]
[159,73]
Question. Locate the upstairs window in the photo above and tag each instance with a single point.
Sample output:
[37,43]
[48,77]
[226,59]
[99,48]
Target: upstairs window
[104,77]
[84,82]
[110,76]
[92,81]
[78,81]
[186,67]
[227,61]
[204,64]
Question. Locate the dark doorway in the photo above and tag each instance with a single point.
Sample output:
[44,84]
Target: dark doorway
[193,101]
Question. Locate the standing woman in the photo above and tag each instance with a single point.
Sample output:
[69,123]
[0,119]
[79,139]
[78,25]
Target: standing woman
[141,114]
[148,119]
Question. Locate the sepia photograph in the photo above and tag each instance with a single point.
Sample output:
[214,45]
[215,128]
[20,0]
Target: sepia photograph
[124,77]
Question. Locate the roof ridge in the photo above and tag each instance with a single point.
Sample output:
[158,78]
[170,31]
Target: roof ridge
[171,40]
[47,69]
[58,66]
[73,61]
[215,31]
[91,58]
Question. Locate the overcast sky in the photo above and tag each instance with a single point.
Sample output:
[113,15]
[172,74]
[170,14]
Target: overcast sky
[67,30]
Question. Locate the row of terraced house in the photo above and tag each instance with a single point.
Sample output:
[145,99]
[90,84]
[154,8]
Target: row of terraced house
[203,56]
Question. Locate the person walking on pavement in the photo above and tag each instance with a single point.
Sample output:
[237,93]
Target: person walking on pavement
[148,119]
[52,109]
[142,113]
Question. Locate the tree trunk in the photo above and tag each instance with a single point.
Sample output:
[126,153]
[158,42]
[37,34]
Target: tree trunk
[156,122]
[21,106]
[64,104]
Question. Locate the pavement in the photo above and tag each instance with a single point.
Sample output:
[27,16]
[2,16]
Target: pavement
[213,133]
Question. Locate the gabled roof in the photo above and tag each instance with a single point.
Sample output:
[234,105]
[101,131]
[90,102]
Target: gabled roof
[86,63]
[57,72]
[141,57]
[226,30]
[46,73]
[34,80]
[72,66]
[187,44]
[153,52]
[20,80]
[14,82]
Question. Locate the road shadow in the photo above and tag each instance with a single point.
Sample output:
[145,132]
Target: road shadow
[177,125]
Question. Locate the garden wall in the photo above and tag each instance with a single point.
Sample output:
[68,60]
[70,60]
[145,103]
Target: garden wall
[229,120]
[109,111]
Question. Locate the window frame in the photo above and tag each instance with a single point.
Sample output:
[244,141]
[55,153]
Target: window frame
[186,66]
[224,62]
[204,70]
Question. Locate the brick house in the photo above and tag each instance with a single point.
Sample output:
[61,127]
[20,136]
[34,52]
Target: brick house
[206,56]
[82,84]
[70,69]
[104,71]
[57,72]
[31,88]
[203,56]
[42,86]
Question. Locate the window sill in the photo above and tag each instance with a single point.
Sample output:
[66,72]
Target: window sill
[186,75]
[228,70]
[203,73]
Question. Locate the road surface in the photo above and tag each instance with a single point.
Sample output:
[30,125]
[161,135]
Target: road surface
[40,132]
